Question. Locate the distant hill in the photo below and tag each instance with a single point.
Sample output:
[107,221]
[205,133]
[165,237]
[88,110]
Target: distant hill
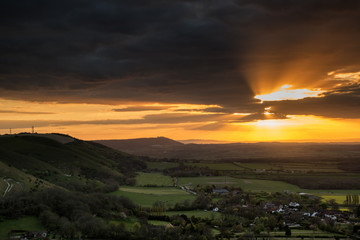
[142,146]
[167,148]
[36,161]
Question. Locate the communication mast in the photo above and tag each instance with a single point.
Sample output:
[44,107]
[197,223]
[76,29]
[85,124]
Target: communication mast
[32,129]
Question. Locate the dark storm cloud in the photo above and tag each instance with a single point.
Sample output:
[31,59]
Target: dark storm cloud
[205,52]
[166,118]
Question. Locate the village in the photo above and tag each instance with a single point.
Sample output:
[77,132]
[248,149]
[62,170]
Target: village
[280,213]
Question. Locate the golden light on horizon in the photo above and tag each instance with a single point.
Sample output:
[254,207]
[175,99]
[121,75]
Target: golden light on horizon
[289,94]
[96,121]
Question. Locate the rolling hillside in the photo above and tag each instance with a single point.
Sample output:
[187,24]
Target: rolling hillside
[35,161]
[143,146]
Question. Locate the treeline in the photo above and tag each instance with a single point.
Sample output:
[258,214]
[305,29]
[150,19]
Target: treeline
[352,200]
[324,182]
[350,165]
[188,171]
[78,215]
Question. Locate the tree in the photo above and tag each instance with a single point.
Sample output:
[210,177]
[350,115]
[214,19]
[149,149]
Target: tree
[287,231]
[333,204]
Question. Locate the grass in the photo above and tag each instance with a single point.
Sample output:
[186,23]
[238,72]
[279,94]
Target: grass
[318,167]
[258,185]
[25,223]
[245,184]
[338,199]
[17,175]
[147,196]
[158,222]
[330,167]
[153,179]
[195,213]
[218,166]
[254,166]
[161,165]
[217,180]
[267,185]
[128,222]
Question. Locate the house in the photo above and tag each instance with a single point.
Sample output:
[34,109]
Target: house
[332,217]
[24,235]
[294,204]
[281,210]
[221,191]
[269,205]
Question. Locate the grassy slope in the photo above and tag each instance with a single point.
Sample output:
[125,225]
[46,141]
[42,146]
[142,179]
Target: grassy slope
[39,153]
[17,175]
[24,156]
[153,179]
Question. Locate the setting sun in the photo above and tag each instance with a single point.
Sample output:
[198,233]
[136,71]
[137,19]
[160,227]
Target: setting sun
[285,93]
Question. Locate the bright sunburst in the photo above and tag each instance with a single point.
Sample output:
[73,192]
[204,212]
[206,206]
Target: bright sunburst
[289,94]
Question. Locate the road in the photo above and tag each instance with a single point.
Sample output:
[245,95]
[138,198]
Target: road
[9,187]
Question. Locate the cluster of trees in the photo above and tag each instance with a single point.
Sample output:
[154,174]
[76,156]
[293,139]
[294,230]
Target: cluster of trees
[67,213]
[201,202]
[75,214]
[188,171]
[324,182]
[352,200]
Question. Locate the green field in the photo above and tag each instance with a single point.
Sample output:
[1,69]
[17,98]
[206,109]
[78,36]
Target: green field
[161,165]
[147,196]
[320,167]
[128,222]
[259,166]
[196,213]
[25,223]
[153,179]
[218,166]
[267,185]
[257,185]
[217,180]
[330,167]
[158,223]
[245,184]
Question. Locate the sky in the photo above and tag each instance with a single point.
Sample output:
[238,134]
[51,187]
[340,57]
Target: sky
[229,70]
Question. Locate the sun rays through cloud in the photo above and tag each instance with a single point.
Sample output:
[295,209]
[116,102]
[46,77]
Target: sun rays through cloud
[286,93]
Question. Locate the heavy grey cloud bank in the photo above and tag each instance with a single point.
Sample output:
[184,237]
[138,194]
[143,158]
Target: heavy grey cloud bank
[204,52]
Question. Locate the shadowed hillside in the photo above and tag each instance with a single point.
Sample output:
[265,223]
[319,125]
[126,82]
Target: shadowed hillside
[143,146]
[36,161]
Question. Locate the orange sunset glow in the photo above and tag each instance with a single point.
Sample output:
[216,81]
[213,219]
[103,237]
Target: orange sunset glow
[193,73]
[181,119]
